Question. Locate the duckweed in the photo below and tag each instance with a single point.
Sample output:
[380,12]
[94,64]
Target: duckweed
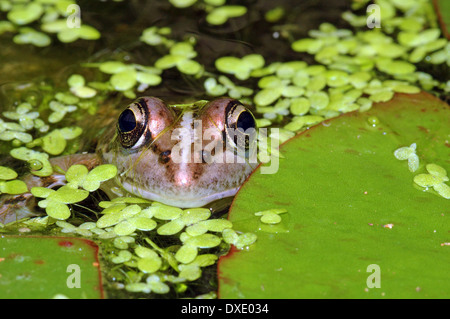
[240,67]
[25,154]
[271,216]
[8,184]
[408,153]
[436,179]
[221,14]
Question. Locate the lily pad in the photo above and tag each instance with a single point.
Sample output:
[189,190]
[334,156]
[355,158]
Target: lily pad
[49,267]
[351,204]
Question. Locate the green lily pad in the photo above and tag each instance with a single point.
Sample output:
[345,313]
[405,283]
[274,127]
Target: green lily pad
[45,267]
[351,204]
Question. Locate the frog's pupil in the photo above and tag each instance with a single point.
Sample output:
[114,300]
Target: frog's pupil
[245,121]
[127,121]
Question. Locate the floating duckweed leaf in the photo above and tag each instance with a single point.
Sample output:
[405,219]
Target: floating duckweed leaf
[130,211]
[165,212]
[221,14]
[6,26]
[41,191]
[215,225]
[316,83]
[68,195]
[270,218]
[172,227]
[382,96]
[245,239]
[65,225]
[149,78]
[130,200]
[186,253]
[194,215]
[319,100]
[25,14]
[154,36]
[267,96]
[213,88]
[7,173]
[88,225]
[190,272]
[443,190]
[396,67]
[83,92]
[122,257]
[307,45]
[69,133]
[11,135]
[85,32]
[253,61]
[109,220]
[138,287]
[203,241]
[149,265]
[182,3]
[57,210]
[124,228]
[337,78]
[427,180]
[145,252]
[292,91]
[300,106]
[113,67]
[189,67]
[168,61]
[408,153]
[413,163]
[99,174]
[76,80]
[143,223]
[437,170]
[54,143]
[13,187]
[241,68]
[120,243]
[196,229]
[156,285]
[413,39]
[204,260]
[271,211]
[25,154]
[124,80]
[230,236]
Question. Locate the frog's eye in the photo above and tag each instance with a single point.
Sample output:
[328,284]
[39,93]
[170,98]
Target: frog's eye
[240,126]
[131,126]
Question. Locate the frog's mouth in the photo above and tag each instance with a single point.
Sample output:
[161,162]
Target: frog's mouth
[187,200]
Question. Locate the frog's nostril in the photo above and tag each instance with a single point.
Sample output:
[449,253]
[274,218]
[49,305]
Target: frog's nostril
[164,157]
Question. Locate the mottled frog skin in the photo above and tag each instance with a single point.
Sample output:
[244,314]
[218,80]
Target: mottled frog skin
[150,134]
[165,154]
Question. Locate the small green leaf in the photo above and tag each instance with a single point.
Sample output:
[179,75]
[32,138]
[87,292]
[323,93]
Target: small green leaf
[57,210]
[7,173]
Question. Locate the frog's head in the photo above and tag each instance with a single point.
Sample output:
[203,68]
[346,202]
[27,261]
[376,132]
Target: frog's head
[184,157]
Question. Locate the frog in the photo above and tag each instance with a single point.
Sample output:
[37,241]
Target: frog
[195,155]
